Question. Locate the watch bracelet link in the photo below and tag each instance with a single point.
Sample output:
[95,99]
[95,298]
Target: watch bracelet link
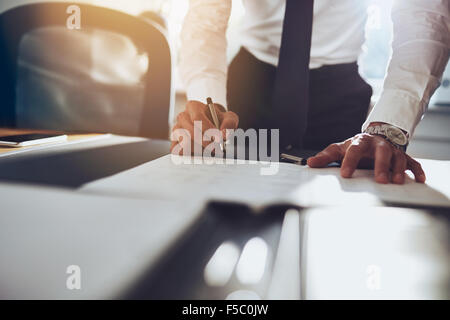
[377,130]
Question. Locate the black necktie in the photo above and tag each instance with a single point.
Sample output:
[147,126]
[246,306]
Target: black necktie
[290,96]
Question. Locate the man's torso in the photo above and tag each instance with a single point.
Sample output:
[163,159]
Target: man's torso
[337,37]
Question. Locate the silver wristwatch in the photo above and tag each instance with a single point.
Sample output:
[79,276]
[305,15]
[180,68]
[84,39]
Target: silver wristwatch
[393,134]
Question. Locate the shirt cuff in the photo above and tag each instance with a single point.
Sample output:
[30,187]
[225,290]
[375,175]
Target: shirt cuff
[397,108]
[200,89]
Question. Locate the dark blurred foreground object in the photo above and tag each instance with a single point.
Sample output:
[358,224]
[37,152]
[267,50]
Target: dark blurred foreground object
[113,75]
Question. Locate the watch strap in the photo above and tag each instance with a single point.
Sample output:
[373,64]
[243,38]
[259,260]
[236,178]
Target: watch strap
[382,129]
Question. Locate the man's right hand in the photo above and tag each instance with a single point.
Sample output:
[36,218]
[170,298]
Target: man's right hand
[197,111]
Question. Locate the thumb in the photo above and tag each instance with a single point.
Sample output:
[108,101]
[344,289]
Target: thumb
[230,120]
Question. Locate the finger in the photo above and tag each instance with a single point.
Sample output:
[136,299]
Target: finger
[416,169]
[187,143]
[230,120]
[352,156]
[175,142]
[184,121]
[383,156]
[181,149]
[197,139]
[185,148]
[194,108]
[219,109]
[197,111]
[330,154]
[175,127]
[398,167]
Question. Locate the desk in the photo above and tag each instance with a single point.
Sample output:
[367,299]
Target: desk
[71,138]
[67,167]
[83,159]
[47,226]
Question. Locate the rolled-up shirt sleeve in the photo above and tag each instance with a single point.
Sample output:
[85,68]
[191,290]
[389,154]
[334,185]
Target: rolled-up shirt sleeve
[420,52]
[203,54]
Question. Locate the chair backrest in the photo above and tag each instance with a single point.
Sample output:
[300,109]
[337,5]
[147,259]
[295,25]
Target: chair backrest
[149,38]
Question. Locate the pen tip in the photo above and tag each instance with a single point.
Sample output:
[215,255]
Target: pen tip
[209,100]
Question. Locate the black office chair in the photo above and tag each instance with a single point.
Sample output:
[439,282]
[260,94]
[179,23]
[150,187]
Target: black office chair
[45,82]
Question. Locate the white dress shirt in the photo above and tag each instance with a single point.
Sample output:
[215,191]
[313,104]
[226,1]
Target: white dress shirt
[421,34]
[420,52]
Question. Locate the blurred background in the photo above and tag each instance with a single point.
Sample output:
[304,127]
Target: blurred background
[121,83]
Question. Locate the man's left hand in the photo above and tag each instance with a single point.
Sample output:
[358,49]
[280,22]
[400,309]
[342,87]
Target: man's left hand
[366,150]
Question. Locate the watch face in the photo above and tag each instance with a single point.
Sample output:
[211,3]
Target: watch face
[396,136]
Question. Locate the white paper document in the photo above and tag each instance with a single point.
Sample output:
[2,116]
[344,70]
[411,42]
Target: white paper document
[291,184]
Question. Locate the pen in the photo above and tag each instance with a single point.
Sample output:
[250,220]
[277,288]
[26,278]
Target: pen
[212,110]
[294,159]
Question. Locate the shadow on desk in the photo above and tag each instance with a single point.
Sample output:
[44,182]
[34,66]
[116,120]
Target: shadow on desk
[71,168]
[183,272]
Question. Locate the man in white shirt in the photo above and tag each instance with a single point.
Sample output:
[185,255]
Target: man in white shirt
[332,98]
